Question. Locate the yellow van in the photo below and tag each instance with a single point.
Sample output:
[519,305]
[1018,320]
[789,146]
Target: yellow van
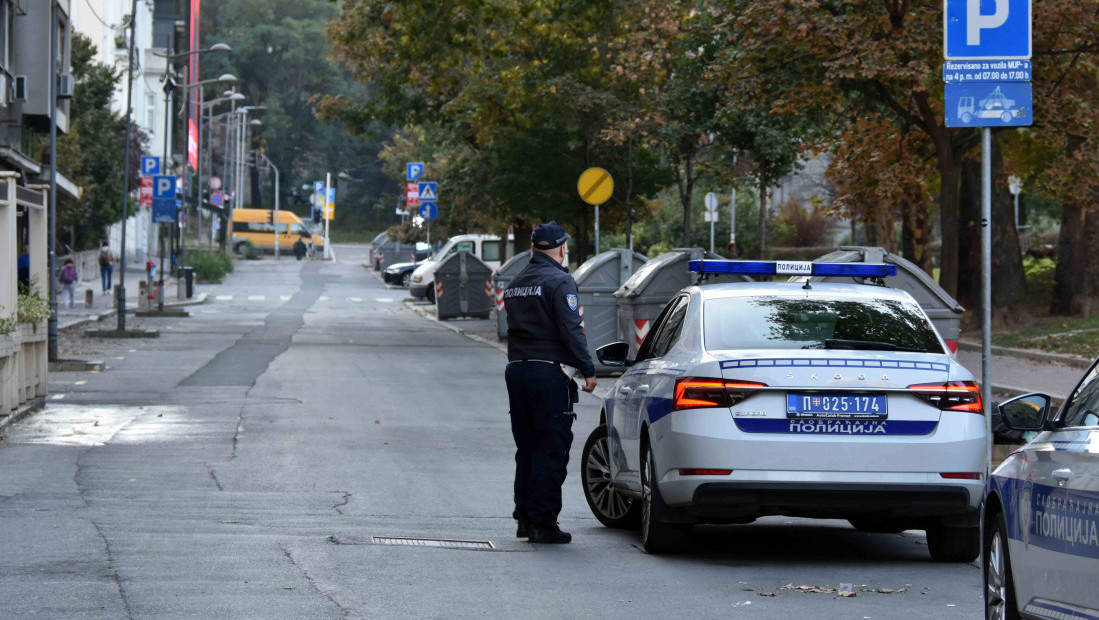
[256,226]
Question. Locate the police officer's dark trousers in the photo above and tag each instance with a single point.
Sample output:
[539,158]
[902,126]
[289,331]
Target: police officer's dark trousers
[541,397]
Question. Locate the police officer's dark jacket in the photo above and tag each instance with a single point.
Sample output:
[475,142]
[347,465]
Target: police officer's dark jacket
[544,316]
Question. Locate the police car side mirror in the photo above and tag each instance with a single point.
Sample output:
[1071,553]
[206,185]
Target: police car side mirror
[614,354]
[1026,413]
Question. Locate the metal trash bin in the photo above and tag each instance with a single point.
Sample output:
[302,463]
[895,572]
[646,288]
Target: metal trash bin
[597,280]
[943,310]
[463,287]
[500,280]
[644,295]
[392,252]
[375,245]
[185,283]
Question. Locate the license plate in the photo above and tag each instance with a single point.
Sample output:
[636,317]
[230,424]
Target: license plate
[836,406]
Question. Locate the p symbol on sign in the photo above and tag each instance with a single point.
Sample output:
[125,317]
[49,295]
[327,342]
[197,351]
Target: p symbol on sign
[165,186]
[150,165]
[976,21]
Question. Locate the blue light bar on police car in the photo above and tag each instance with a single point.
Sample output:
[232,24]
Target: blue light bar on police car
[791,268]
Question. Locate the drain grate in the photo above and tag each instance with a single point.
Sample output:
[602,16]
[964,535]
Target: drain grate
[441,543]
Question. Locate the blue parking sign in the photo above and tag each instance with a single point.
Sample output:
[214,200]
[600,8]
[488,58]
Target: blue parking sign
[979,29]
[150,165]
[164,199]
[414,170]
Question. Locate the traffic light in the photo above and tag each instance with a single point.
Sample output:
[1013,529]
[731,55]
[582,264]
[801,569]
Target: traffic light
[316,216]
[270,217]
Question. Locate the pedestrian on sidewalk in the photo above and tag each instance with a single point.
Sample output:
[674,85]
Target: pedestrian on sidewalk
[68,278]
[299,249]
[544,333]
[106,267]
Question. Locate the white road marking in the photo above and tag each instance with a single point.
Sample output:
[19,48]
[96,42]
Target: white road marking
[57,396]
[82,382]
[323,298]
[224,298]
[284,297]
[133,351]
[354,299]
[256,298]
[384,300]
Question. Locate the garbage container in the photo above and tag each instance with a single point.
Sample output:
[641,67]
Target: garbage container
[644,295]
[463,287]
[392,251]
[500,280]
[597,280]
[945,313]
[185,283]
[375,247]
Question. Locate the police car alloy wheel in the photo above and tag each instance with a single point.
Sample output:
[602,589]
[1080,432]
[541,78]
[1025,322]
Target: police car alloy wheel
[656,536]
[406,281]
[611,507]
[999,589]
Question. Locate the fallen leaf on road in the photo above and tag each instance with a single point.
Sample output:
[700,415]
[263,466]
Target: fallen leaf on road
[847,593]
[767,593]
[377,421]
[891,590]
[809,589]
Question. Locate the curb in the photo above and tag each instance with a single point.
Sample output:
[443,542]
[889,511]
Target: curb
[198,299]
[21,412]
[1034,356]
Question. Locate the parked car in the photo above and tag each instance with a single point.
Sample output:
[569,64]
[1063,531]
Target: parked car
[488,248]
[821,400]
[400,274]
[1041,514]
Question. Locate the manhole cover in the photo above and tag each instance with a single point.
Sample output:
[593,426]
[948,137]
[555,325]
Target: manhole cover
[433,542]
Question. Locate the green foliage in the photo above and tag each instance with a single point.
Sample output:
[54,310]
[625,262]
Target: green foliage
[32,307]
[7,323]
[800,226]
[210,265]
[92,150]
[1039,276]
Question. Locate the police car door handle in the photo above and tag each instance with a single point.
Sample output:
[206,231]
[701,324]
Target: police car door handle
[643,388]
[1064,474]
[625,391]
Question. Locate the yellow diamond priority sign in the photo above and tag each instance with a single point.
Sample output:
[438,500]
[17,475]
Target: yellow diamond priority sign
[595,186]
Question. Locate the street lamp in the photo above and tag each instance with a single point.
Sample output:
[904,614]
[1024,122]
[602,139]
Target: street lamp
[232,97]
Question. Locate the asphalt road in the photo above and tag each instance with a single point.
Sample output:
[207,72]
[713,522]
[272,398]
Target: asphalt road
[246,463]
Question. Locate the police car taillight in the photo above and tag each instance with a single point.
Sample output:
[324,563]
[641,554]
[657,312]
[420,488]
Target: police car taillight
[951,395]
[701,393]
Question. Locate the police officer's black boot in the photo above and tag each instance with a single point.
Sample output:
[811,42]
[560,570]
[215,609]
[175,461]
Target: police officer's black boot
[549,535]
[523,529]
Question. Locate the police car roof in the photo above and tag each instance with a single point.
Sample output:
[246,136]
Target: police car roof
[797,289]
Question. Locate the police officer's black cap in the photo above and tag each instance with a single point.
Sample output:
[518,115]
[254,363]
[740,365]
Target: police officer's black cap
[549,236]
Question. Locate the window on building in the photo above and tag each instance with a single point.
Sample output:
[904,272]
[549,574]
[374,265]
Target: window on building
[150,112]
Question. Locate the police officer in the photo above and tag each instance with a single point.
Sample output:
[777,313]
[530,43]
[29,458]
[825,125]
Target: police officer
[543,333]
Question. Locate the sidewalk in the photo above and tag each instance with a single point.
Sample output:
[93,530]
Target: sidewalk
[103,305]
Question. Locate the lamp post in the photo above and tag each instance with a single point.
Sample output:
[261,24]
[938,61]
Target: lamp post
[121,325]
[233,97]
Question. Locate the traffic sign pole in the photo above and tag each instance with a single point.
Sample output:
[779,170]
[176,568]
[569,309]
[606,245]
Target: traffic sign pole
[986,283]
[327,220]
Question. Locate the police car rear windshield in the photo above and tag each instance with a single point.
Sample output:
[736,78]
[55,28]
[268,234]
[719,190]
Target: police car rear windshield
[789,323]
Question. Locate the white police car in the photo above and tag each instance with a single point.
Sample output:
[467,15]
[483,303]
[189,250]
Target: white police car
[1041,534]
[822,400]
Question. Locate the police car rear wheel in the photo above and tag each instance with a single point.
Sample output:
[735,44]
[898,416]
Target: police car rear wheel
[954,544]
[611,507]
[999,585]
[656,536]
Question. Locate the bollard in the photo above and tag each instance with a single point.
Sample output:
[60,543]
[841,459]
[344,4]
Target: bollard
[143,294]
[89,297]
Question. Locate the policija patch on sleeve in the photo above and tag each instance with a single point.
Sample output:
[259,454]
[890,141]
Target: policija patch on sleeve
[572,302]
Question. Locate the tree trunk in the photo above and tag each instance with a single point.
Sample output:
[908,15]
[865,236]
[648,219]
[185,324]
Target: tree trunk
[686,187]
[764,183]
[1067,284]
[253,172]
[916,235]
[521,226]
[1008,279]
[968,247]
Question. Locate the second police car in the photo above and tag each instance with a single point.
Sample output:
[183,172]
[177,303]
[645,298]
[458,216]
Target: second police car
[825,400]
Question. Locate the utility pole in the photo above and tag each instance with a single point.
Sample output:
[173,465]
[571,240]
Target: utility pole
[126,167]
[51,345]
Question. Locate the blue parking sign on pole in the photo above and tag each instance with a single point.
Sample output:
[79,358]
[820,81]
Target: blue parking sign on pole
[414,170]
[979,29]
[150,165]
[164,199]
